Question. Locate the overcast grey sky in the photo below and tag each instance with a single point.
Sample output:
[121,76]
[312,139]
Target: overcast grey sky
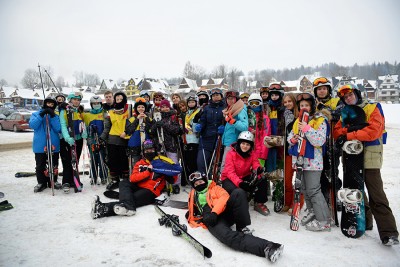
[124,39]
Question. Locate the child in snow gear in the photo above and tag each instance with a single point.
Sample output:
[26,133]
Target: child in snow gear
[211,207]
[264,93]
[290,114]
[245,98]
[94,121]
[157,98]
[144,185]
[169,127]
[117,140]
[243,172]
[40,121]
[315,132]
[203,98]
[139,128]
[330,182]
[73,132]
[209,127]
[374,136]
[236,119]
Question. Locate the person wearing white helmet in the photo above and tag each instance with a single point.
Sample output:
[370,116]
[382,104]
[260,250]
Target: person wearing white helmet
[94,121]
[241,168]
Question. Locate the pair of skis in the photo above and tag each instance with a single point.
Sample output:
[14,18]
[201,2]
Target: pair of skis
[96,147]
[74,159]
[294,219]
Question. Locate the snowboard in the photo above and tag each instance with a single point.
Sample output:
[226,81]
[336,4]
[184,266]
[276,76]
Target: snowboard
[30,174]
[181,231]
[352,223]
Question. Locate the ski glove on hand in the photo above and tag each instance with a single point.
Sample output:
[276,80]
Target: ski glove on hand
[198,127]
[357,127]
[340,141]
[70,141]
[210,218]
[221,129]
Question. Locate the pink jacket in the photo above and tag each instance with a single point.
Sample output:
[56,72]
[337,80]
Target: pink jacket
[259,148]
[237,167]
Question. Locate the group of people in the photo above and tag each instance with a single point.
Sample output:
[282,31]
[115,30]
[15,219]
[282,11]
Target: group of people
[224,146]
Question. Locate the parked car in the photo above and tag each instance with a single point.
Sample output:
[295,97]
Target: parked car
[17,121]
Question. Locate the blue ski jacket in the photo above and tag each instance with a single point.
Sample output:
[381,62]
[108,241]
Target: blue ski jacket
[38,124]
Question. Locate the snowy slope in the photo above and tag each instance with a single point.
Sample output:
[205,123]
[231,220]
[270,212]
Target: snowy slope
[43,230]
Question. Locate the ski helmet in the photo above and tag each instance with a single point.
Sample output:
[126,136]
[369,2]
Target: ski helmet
[197,176]
[203,100]
[244,95]
[322,81]
[307,97]
[192,98]
[75,95]
[232,93]
[246,136]
[95,99]
[255,100]
[202,92]
[276,88]
[49,99]
[347,88]
[215,91]
[60,95]
[144,93]
[264,89]
[148,144]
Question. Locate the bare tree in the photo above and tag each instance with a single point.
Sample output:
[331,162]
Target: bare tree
[3,82]
[220,71]
[194,72]
[79,78]
[31,79]
[233,78]
[60,82]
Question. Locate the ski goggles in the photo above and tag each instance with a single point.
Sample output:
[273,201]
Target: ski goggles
[230,94]
[348,88]
[195,176]
[254,103]
[320,80]
[244,95]
[264,89]
[304,96]
[216,91]
[75,95]
[275,86]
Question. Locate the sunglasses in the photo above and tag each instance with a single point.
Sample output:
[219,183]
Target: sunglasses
[254,103]
[320,80]
[195,176]
[304,96]
[275,86]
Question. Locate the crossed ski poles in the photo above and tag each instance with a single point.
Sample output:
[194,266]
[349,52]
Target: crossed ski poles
[96,147]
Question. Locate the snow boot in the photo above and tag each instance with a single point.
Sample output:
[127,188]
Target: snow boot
[39,188]
[390,240]
[273,251]
[317,226]
[121,209]
[99,209]
[307,218]
[57,186]
[261,208]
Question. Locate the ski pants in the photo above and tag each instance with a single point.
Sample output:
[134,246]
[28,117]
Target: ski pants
[190,159]
[41,167]
[311,188]
[66,158]
[237,211]
[289,192]
[118,162]
[379,204]
[260,195]
[97,164]
[132,196]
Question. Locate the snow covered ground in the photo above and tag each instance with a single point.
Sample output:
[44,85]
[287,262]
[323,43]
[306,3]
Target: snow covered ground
[43,230]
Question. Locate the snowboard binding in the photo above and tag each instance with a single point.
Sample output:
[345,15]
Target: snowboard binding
[353,147]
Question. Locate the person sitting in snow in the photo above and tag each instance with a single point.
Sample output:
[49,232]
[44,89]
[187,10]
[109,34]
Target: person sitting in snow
[210,206]
[144,186]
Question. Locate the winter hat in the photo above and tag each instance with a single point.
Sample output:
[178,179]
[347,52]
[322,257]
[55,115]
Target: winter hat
[165,102]
[49,99]
[140,101]
[121,105]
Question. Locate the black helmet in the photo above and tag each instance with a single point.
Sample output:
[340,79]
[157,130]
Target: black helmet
[49,99]
[196,176]
[276,88]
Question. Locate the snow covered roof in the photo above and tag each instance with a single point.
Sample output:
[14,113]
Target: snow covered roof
[295,83]
[388,76]
[204,82]
[218,80]
[8,90]
[189,83]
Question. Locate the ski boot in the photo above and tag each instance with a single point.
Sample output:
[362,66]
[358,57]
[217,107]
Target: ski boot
[114,184]
[39,188]
[307,218]
[99,209]
[390,240]
[273,251]
[261,208]
[121,209]
[65,188]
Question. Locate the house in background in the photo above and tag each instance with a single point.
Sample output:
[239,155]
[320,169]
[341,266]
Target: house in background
[186,87]
[108,84]
[388,89]
[211,83]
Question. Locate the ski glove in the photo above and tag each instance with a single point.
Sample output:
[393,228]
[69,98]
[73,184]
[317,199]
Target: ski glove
[70,141]
[221,129]
[170,179]
[159,124]
[210,219]
[198,127]
[340,141]
[357,127]
[245,185]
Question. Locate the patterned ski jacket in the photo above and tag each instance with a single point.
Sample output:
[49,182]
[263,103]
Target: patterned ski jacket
[94,120]
[316,136]
[79,126]
[260,130]
[374,135]
[38,124]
